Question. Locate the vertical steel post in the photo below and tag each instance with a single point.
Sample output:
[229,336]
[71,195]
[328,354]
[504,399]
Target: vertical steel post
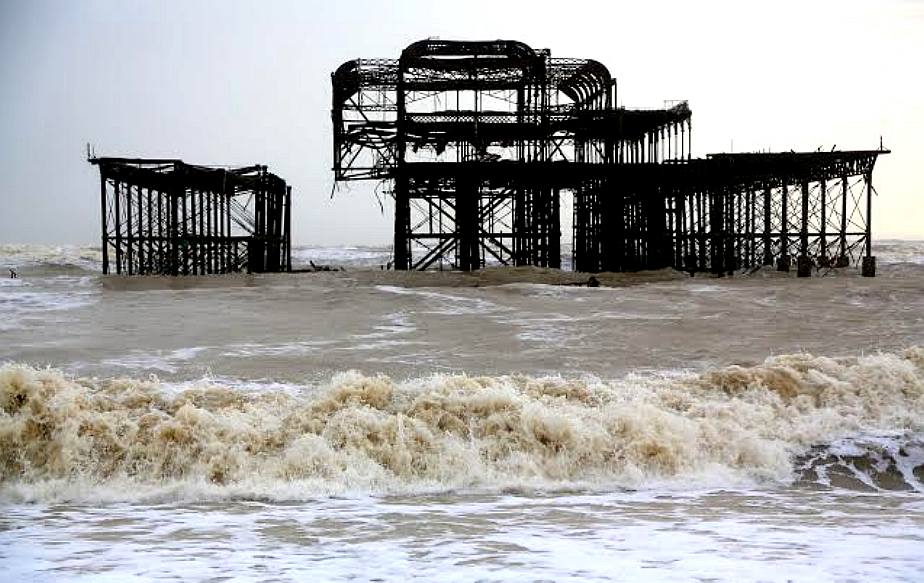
[183,243]
[842,260]
[783,261]
[823,233]
[160,232]
[804,263]
[869,261]
[104,222]
[402,223]
[288,228]
[128,229]
[689,139]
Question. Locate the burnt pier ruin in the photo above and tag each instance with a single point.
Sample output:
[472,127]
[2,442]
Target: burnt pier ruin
[477,142]
[166,217]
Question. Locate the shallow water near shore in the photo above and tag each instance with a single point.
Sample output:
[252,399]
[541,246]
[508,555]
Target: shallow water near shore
[719,535]
[498,426]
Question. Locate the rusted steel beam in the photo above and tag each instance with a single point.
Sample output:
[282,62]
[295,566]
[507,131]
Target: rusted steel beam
[173,218]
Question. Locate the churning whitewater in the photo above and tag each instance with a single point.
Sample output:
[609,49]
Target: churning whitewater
[495,426]
[65,438]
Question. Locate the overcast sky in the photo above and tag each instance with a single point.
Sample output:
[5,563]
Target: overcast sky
[249,82]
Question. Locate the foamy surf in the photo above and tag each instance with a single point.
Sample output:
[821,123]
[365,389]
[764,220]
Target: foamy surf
[787,419]
[50,257]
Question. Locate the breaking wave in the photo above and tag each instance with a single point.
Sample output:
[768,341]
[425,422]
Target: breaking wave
[51,258]
[828,422]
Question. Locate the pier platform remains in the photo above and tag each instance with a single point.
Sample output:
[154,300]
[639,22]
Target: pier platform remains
[482,143]
[167,217]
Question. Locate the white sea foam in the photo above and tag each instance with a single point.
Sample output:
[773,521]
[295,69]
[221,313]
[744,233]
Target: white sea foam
[804,468]
[344,256]
[19,302]
[445,303]
[894,251]
[625,536]
[165,361]
[65,438]
[396,323]
[61,256]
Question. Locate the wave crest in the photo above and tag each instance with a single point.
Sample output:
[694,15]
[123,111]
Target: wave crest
[51,258]
[62,437]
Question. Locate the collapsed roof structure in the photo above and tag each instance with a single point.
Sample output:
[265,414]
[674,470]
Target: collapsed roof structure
[166,217]
[477,140]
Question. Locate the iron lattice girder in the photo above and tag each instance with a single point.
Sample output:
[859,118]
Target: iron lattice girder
[794,166]
[458,122]
[163,174]
[163,216]
[585,85]
[730,171]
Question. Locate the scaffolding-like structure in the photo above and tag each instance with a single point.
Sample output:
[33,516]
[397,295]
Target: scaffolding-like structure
[477,141]
[166,217]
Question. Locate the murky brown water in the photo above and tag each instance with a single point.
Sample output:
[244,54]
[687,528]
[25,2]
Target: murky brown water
[293,327]
[570,433]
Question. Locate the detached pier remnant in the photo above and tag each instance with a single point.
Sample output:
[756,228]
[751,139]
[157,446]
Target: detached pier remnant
[171,218]
[477,141]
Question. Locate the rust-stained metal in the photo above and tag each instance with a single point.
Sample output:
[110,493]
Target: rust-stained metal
[167,217]
[477,141]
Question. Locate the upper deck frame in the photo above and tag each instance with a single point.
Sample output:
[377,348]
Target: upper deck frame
[477,139]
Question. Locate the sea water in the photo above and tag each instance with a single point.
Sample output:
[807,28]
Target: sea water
[499,426]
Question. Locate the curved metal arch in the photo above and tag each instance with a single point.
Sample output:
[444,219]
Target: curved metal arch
[427,53]
[589,80]
[352,76]
[345,81]
[436,47]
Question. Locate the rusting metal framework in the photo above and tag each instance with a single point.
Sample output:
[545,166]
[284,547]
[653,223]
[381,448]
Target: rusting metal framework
[743,211]
[171,218]
[476,141]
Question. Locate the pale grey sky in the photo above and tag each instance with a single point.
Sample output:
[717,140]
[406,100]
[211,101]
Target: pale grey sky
[249,82]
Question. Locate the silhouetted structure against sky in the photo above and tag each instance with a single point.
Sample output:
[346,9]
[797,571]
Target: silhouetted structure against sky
[167,217]
[477,141]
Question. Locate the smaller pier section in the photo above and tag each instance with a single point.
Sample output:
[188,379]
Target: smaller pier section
[167,217]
